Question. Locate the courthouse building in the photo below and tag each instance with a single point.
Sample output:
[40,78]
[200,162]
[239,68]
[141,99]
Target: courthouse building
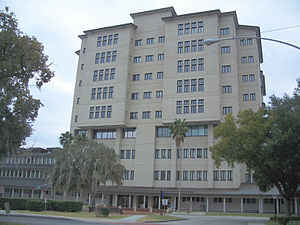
[133,80]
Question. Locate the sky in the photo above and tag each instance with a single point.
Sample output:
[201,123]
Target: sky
[57,24]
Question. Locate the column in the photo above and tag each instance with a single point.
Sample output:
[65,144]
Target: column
[150,203]
[191,204]
[260,205]
[224,205]
[277,206]
[116,200]
[179,201]
[42,194]
[22,193]
[32,193]
[12,192]
[174,203]
[134,202]
[296,206]
[159,202]
[144,203]
[207,204]
[89,198]
[242,205]
[129,201]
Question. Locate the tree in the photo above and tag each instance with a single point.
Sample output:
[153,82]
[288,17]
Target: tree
[85,165]
[178,131]
[267,142]
[22,60]
[65,139]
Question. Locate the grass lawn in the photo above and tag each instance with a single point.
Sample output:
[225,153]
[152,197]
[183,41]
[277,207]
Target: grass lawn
[238,214]
[154,218]
[72,214]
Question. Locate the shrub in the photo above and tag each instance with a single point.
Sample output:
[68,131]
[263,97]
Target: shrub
[64,206]
[15,203]
[284,220]
[35,205]
[105,211]
[101,210]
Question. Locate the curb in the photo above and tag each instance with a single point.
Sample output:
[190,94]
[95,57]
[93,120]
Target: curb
[164,221]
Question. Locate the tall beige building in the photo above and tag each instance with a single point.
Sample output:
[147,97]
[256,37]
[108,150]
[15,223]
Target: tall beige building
[133,80]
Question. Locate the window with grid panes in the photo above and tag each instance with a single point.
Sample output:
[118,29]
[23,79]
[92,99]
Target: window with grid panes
[97,112]
[187,46]
[187,28]
[200,45]
[194,65]
[179,86]
[186,86]
[194,106]
[116,39]
[187,65]
[99,93]
[180,47]
[200,105]
[93,95]
[193,85]
[108,57]
[201,64]
[95,76]
[178,107]
[179,66]
[106,74]
[104,93]
[201,84]
[180,29]
[186,106]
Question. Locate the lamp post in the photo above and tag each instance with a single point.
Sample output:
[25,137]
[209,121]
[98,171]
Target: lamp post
[211,41]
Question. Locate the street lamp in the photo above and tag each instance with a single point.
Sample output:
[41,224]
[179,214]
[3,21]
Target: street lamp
[211,41]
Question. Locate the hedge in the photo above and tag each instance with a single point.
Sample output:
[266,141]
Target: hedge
[39,205]
[284,220]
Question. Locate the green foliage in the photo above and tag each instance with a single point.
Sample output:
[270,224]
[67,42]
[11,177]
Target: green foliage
[64,206]
[178,130]
[267,141]
[83,165]
[15,203]
[102,211]
[65,139]
[285,220]
[35,205]
[22,59]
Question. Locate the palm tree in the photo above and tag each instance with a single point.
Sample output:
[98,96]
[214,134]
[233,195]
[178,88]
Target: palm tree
[65,139]
[178,131]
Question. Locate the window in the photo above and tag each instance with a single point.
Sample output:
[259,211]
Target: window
[187,65]
[112,73]
[116,39]
[195,131]
[146,115]
[105,134]
[227,89]
[227,110]
[180,29]
[133,115]
[148,76]
[132,175]
[95,76]
[138,42]
[226,69]
[135,96]
[159,75]
[109,42]
[244,77]
[200,45]
[156,175]
[80,83]
[251,77]
[129,132]
[137,59]
[250,59]
[163,153]
[192,175]
[194,65]
[161,39]
[159,94]
[186,86]
[201,84]
[179,86]
[194,106]
[178,175]
[216,175]
[103,111]
[97,57]
[185,175]
[169,154]
[106,74]
[192,153]
[179,66]
[99,41]
[158,114]
[104,41]
[97,112]
[149,58]
[252,97]
[168,174]
[186,106]
[163,132]
[128,154]
[178,107]
[224,31]
[114,56]
[157,154]
[81,67]
[110,92]
[102,59]
[93,95]
[186,28]
[150,41]
[194,27]
[245,97]
[104,93]
[194,85]
[126,175]
[161,57]
[201,64]
[147,95]
[200,27]
[76,119]
[225,50]
[77,100]
[180,47]
[200,105]
[108,57]
[187,46]
[99,93]
[244,59]
[136,77]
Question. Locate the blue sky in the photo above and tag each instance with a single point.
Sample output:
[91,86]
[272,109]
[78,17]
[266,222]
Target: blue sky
[57,25]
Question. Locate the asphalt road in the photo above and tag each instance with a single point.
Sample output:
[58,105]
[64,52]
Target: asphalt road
[192,220]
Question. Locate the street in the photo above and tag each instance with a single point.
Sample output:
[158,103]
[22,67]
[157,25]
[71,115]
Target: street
[191,220]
